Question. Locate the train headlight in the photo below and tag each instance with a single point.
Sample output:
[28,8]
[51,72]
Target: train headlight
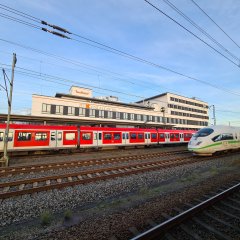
[198,143]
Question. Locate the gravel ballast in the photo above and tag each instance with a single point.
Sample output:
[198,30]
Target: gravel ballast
[108,197]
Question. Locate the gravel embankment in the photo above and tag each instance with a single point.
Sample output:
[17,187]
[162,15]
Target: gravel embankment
[111,197]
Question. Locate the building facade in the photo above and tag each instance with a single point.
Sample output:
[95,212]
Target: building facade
[165,110]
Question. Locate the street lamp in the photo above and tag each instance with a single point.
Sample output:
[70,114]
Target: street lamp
[163,111]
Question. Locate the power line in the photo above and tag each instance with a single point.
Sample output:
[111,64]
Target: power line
[215,23]
[200,29]
[193,34]
[113,50]
[77,63]
[101,71]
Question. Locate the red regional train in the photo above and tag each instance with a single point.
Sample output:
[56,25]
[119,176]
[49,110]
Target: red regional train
[45,137]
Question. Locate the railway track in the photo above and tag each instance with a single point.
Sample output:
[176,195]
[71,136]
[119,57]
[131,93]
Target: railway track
[218,217]
[11,171]
[28,186]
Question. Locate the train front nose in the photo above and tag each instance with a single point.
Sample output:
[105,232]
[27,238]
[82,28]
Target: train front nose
[194,145]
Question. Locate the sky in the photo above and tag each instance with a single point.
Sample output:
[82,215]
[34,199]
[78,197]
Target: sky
[48,64]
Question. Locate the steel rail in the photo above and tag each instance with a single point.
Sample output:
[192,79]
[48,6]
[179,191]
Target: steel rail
[60,181]
[9,171]
[160,230]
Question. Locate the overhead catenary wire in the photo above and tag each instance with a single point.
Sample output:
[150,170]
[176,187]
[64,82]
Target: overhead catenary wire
[105,47]
[193,34]
[215,23]
[113,50]
[200,29]
[77,63]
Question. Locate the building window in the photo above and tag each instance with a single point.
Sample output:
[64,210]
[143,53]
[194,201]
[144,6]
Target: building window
[110,114]
[131,116]
[46,108]
[138,117]
[101,113]
[117,115]
[82,111]
[150,118]
[125,116]
[91,112]
[59,109]
[144,118]
[70,110]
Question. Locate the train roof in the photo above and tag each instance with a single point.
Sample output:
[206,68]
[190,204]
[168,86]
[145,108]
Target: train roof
[88,128]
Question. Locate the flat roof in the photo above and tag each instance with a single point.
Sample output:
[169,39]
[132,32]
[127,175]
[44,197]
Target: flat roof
[163,94]
[69,120]
[60,95]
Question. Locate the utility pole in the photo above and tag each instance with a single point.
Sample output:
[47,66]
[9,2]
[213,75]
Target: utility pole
[9,98]
[214,115]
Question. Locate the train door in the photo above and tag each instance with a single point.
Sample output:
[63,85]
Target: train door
[181,137]
[53,139]
[125,138]
[100,136]
[1,139]
[10,139]
[95,138]
[147,137]
[59,139]
[167,138]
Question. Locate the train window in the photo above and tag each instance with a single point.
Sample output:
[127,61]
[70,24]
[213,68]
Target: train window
[161,135]
[1,136]
[41,136]
[117,136]
[59,138]
[154,136]
[24,136]
[100,136]
[222,137]
[107,136]
[85,136]
[133,136]
[146,136]
[70,136]
[204,132]
[127,136]
[171,135]
[140,136]
[217,138]
[123,135]
[95,136]
[176,135]
[53,136]
[227,136]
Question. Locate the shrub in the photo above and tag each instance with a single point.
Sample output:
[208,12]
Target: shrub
[68,214]
[46,218]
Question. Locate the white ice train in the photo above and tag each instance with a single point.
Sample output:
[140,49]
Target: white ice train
[210,140]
